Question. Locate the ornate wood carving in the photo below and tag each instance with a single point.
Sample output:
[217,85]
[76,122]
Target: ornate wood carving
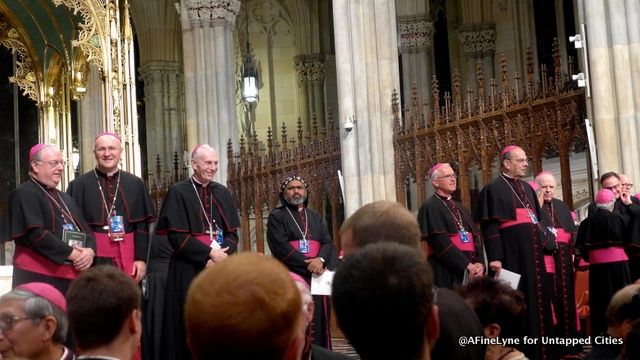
[543,116]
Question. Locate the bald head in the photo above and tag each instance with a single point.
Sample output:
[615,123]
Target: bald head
[204,160]
[547,183]
[514,162]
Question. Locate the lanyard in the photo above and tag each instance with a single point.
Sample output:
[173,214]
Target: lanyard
[526,205]
[210,221]
[64,212]
[306,227]
[458,218]
[104,199]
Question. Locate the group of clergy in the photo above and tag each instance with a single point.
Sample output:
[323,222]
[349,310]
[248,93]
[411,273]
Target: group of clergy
[524,229]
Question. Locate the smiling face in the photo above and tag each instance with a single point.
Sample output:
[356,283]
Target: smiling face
[612,183]
[205,164]
[47,166]
[107,150]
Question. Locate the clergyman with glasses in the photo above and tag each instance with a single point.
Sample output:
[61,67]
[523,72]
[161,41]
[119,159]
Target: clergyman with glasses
[33,323]
[509,212]
[117,206]
[53,243]
[455,248]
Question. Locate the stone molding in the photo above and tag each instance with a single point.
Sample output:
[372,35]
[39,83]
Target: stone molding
[415,34]
[478,41]
[209,13]
[310,67]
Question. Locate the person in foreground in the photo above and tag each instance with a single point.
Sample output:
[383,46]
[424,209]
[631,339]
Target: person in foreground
[246,307]
[104,314]
[33,323]
[383,300]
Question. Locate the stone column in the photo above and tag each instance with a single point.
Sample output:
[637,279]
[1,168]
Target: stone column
[91,116]
[207,29]
[613,40]
[416,41]
[367,73]
[163,96]
[479,44]
[310,70]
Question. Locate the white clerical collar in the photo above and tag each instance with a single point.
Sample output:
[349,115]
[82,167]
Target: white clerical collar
[510,177]
[198,182]
[108,174]
[443,196]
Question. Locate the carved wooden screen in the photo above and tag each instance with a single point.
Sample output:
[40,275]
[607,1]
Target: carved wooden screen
[544,115]
[256,170]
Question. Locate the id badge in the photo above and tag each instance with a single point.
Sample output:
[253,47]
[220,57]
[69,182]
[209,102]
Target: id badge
[74,238]
[304,246]
[116,228]
[214,241]
[533,217]
[219,237]
[68,227]
[464,236]
[552,230]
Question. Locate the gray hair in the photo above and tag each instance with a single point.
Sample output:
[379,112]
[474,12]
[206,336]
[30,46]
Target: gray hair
[607,206]
[196,153]
[38,308]
[436,172]
[38,156]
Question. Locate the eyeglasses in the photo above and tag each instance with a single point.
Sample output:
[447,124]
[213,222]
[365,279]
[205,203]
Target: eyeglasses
[520,161]
[8,322]
[626,184]
[611,187]
[448,177]
[54,163]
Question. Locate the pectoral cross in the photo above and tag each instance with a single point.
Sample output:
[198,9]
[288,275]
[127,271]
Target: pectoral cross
[210,232]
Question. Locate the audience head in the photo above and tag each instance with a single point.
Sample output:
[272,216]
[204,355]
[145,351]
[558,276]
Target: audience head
[380,221]
[262,317]
[500,308]
[611,180]
[383,300]
[104,305]
[32,320]
[623,310]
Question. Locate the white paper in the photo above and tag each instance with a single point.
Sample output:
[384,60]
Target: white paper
[321,285]
[511,278]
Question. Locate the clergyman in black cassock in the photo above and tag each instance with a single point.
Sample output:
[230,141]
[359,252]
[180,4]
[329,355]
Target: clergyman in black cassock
[53,242]
[299,238]
[106,194]
[200,219]
[508,212]
[601,240]
[455,249]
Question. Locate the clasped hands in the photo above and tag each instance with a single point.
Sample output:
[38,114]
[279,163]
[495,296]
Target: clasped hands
[217,255]
[82,258]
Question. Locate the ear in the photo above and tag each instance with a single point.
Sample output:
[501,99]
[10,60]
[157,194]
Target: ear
[134,322]
[296,346]
[492,330]
[49,324]
[433,326]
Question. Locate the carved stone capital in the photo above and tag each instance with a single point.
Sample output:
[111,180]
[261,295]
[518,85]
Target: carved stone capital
[206,13]
[478,41]
[415,34]
[310,67]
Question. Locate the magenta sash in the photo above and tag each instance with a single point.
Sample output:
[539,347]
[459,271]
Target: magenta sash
[457,241]
[607,255]
[29,260]
[562,236]
[314,247]
[121,252]
[522,217]
[550,264]
[205,239]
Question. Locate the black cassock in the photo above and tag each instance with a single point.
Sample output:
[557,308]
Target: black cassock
[34,221]
[285,227]
[559,217]
[132,202]
[603,233]
[181,220]
[520,246]
[438,218]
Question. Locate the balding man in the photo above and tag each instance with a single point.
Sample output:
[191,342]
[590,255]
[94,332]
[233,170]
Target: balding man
[508,212]
[633,250]
[201,221]
[53,242]
[560,222]
[118,208]
[455,250]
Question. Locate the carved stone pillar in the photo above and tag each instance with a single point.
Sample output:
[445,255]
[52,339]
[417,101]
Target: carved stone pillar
[209,70]
[311,72]
[163,96]
[479,44]
[416,41]
[367,150]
